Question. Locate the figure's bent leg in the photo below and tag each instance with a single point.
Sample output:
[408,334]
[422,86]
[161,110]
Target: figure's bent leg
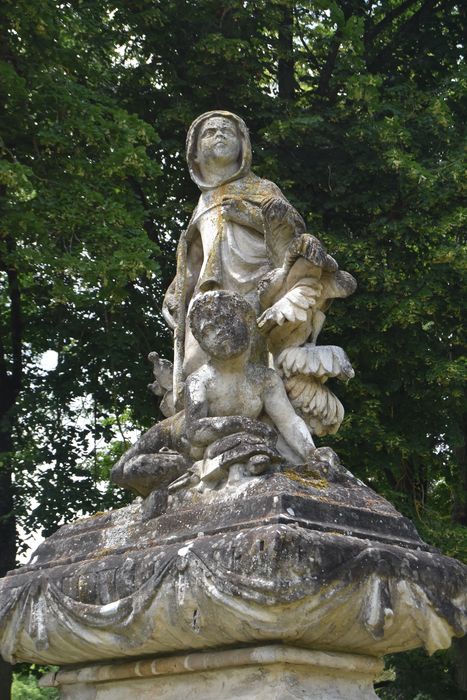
[146,473]
[152,463]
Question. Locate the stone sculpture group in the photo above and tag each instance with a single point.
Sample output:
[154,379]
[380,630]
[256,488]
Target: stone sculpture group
[247,389]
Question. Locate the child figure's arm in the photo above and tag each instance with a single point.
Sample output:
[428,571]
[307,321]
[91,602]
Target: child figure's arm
[292,428]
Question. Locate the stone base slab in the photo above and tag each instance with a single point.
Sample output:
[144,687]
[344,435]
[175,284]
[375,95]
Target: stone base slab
[273,672]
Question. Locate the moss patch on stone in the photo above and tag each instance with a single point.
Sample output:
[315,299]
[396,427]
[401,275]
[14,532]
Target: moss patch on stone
[307,478]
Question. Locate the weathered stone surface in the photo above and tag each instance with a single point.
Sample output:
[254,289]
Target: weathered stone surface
[283,556]
[246,306]
[273,672]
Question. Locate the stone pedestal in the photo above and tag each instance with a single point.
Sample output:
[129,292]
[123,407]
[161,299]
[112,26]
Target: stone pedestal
[274,672]
[289,585]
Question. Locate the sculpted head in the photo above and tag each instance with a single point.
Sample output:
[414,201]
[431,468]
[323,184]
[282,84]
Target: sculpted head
[221,322]
[218,144]
[218,149]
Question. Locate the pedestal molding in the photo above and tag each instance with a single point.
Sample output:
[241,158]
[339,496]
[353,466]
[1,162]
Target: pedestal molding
[215,660]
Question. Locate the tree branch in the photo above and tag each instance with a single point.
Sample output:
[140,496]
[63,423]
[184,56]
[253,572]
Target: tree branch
[286,61]
[311,56]
[412,24]
[326,73]
[148,224]
[335,44]
[376,29]
[16,321]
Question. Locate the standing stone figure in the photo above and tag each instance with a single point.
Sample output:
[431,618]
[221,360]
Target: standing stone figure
[226,245]
[246,239]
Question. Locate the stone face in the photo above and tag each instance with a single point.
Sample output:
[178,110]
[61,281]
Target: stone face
[288,556]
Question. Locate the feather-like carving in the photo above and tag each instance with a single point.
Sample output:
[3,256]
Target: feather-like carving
[321,361]
[319,407]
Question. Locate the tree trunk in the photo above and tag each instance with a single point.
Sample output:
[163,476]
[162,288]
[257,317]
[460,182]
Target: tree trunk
[459,516]
[286,62]
[459,506]
[7,539]
[10,386]
[459,648]
[6,679]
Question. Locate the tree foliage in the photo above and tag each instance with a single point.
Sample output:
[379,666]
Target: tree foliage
[356,110]
[25,687]
[77,263]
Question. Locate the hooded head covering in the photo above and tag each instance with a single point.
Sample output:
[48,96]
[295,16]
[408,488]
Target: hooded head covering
[192,145]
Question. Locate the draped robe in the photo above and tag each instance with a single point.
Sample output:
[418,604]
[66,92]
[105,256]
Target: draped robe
[216,252]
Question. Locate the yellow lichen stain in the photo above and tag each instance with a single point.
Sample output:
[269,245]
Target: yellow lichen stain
[90,517]
[308,478]
[101,553]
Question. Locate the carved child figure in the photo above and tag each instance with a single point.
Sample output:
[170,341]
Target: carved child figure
[233,405]
[235,410]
